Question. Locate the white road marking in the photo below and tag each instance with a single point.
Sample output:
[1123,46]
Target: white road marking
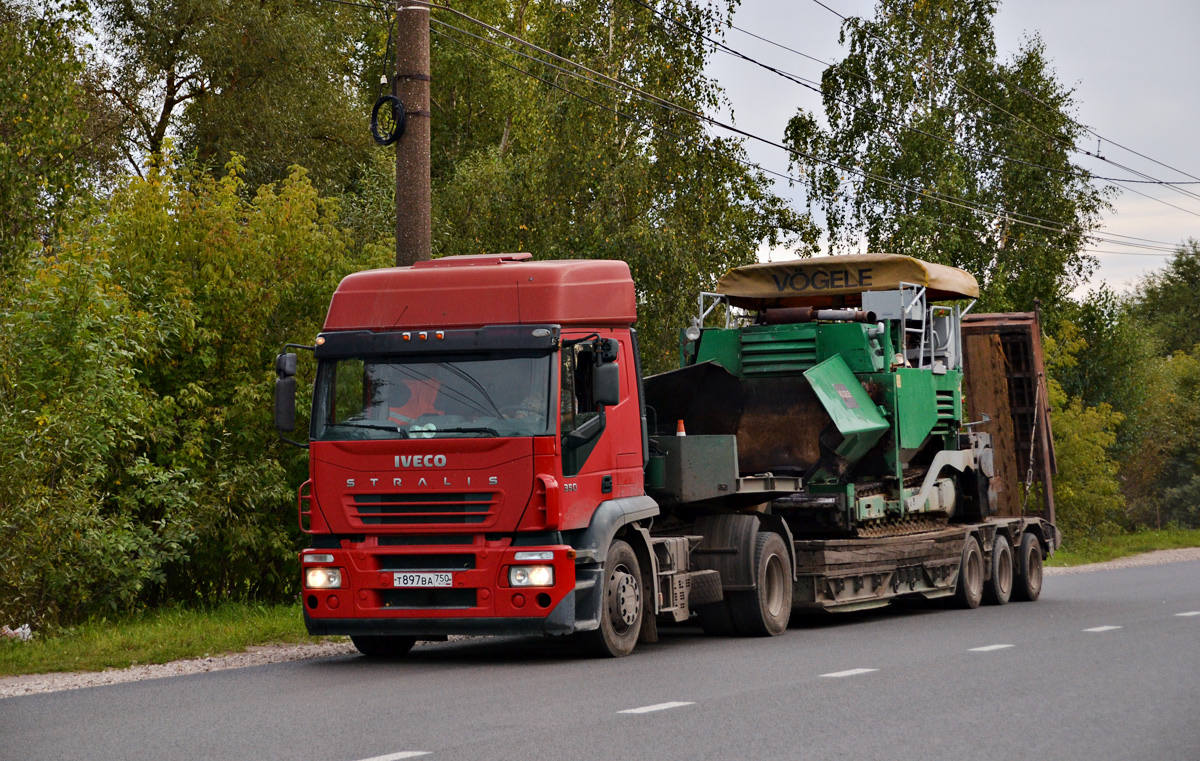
[987,648]
[1102,628]
[1189,613]
[400,755]
[851,672]
[657,707]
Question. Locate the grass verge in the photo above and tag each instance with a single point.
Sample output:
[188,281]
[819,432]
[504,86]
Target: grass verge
[1087,551]
[154,637]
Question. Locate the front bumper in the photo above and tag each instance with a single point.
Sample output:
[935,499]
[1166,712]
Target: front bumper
[561,621]
[479,601]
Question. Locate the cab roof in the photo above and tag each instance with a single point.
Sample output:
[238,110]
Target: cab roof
[825,280]
[494,289]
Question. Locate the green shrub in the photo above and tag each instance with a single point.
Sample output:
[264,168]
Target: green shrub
[138,461]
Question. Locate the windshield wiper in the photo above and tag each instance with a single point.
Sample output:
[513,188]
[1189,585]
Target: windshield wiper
[476,429]
[390,428]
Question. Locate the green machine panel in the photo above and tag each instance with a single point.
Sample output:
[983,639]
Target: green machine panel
[916,409]
[857,417]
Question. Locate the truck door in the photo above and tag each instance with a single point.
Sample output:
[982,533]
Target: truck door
[600,442]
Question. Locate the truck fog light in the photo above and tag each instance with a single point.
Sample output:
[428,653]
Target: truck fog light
[323,578]
[531,576]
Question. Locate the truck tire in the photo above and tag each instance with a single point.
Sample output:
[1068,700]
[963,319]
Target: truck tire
[622,607]
[1027,587]
[999,588]
[969,590]
[764,611]
[382,646]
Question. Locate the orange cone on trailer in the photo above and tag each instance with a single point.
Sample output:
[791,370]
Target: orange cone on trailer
[679,429]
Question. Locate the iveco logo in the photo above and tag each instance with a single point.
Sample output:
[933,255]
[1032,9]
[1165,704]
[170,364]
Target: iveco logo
[421,461]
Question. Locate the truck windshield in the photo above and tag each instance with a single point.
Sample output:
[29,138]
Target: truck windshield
[432,397]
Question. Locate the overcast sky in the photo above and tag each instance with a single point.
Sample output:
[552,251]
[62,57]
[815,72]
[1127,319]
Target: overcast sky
[1133,66]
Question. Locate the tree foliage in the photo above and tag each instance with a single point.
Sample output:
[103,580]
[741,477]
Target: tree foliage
[1169,300]
[522,166]
[1088,499]
[936,149]
[279,80]
[138,461]
[54,128]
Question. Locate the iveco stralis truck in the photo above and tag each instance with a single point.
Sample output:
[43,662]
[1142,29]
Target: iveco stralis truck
[486,457]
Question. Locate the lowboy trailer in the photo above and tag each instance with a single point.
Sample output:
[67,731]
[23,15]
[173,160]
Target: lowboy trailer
[486,457]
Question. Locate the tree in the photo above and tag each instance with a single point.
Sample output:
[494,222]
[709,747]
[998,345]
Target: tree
[1169,300]
[278,80]
[936,149]
[521,165]
[137,458]
[1087,493]
[56,134]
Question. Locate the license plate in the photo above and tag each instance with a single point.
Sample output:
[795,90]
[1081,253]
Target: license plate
[424,580]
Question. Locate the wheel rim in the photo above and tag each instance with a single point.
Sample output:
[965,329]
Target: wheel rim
[1004,567]
[774,584]
[1035,569]
[974,573]
[624,599]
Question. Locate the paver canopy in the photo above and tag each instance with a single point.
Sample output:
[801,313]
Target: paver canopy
[816,281]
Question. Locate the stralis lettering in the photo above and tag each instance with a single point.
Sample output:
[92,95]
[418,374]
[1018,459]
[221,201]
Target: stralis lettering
[420,461]
[822,280]
[446,481]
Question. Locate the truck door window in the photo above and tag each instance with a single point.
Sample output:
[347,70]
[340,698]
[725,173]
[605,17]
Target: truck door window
[580,419]
[577,367]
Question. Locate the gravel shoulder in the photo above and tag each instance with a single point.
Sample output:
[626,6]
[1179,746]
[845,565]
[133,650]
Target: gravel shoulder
[14,686]
[1157,557]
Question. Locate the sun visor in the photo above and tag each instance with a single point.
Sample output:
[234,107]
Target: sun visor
[829,280]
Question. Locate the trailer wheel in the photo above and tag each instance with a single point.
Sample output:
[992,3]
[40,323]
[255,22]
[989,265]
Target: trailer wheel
[999,589]
[969,590]
[764,611]
[383,646]
[1028,586]
[622,608]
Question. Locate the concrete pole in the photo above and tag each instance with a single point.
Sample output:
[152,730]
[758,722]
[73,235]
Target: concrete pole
[413,194]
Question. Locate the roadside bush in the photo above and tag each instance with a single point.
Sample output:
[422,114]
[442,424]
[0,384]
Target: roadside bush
[1087,494]
[139,463]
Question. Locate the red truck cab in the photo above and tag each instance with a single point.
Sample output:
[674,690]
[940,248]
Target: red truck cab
[477,438]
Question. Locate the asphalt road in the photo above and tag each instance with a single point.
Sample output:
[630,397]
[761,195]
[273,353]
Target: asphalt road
[1105,666]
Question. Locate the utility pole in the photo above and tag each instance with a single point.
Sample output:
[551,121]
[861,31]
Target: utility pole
[413,194]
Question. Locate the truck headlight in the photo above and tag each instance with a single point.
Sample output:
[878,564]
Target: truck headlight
[323,578]
[531,576]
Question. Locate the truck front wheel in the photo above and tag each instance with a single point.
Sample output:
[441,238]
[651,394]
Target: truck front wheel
[764,611]
[623,605]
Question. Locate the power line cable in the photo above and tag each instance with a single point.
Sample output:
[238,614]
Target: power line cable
[1058,228]
[815,87]
[1066,143]
[1077,123]
[823,62]
[933,195]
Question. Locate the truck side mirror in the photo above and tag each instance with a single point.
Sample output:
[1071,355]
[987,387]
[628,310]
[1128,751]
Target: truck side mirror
[285,392]
[285,365]
[285,402]
[606,383]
